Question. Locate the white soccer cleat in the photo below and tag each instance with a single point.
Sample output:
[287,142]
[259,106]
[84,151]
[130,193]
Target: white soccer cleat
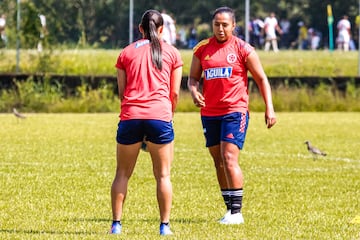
[229,218]
[227,214]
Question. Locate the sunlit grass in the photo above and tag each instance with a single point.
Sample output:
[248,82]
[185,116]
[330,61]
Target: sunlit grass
[56,171]
[101,62]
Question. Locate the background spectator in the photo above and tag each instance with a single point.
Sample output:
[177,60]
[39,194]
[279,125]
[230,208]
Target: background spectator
[256,29]
[303,40]
[192,37]
[314,39]
[285,37]
[271,26]
[169,31]
[43,32]
[2,29]
[344,34]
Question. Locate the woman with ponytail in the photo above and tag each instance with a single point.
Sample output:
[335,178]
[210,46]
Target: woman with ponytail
[149,74]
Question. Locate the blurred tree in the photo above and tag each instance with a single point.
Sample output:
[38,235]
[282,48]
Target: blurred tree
[104,23]
[30,25]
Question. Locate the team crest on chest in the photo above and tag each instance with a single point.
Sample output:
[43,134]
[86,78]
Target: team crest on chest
[231,58]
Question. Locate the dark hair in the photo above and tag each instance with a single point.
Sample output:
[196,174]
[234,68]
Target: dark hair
[224,10]
[150,22]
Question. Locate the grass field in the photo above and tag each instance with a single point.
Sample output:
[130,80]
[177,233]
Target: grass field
[56,171]
[322,63]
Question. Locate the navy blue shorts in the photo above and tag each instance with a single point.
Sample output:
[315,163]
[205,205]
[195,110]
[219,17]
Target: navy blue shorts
[228,128]
[155,131]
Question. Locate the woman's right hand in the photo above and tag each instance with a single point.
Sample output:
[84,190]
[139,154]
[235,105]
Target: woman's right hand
[198,98]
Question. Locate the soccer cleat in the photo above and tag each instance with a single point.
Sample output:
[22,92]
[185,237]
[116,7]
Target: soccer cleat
[228,213]
[165,229]
[236,218]
[144,146]
[115,228]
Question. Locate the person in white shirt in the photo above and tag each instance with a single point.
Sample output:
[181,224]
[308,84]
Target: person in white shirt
[2,29]
[271,26]
[43,32]
[169,30]
[344,33]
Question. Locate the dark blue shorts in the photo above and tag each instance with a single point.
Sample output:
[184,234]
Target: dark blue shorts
[155,131]
[228,128]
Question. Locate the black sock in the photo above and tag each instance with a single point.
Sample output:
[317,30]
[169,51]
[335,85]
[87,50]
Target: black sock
[236,196]
[116,221]
[226,196]
[165,223]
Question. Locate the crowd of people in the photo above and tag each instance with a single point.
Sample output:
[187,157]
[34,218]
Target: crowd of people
[269,32]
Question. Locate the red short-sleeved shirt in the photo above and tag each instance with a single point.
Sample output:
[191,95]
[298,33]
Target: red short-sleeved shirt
[225,75]
[147,90]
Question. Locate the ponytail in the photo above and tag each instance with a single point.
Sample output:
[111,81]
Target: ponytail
[150,23]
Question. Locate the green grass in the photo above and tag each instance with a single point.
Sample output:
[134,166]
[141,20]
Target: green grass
[56,171]
[101,62]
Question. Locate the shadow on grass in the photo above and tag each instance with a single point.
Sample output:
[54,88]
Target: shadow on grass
[55,232]
[86,220]
[149,220]
[52,232]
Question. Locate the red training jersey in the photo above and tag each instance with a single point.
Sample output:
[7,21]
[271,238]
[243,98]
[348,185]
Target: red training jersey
[225,75]
[147,89]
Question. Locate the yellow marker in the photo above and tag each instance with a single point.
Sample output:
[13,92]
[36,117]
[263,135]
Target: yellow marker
[356,220]
[329,10]
[357,20]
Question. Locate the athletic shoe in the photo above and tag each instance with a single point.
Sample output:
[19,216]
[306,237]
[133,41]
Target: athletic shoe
[115,228]
[144,146]
[236,218]
[165,230]
[227,214]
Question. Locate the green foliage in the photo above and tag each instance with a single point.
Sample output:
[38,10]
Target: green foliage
[86,99]
[186,103]
[104,23]
[31,96]
[46,96]
[322,98]
[101,62]
[49,96]
[56,172]
[288,97]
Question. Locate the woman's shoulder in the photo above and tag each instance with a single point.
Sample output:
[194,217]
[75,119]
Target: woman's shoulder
[243,48]
[203,44]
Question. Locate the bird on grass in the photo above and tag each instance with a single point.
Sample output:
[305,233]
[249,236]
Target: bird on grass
[315,151]
[17,114]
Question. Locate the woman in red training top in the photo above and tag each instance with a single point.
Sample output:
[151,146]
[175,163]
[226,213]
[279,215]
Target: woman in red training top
[225,59]
[149,77]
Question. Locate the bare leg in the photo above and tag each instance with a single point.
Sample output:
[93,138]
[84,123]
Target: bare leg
[126,160]
[275,45]
[162,156]
[267,45]
[219,166]
[230,154]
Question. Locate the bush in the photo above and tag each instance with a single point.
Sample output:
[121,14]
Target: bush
[46,96]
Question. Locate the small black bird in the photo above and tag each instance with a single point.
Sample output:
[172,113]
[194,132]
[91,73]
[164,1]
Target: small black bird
[17,114]
[315,151]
